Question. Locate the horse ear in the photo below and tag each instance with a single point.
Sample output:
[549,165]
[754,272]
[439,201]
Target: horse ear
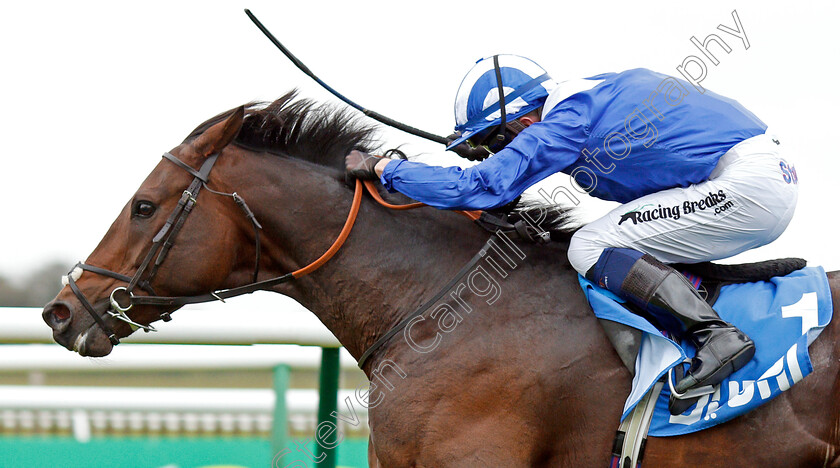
[220,135]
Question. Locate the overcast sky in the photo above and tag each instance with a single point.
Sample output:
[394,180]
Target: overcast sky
[94,92]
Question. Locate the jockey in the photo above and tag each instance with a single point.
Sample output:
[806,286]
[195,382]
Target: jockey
[698,176]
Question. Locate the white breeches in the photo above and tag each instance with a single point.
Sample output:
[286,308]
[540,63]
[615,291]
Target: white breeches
[747,202]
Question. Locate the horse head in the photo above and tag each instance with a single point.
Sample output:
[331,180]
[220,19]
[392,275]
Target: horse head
[139,239]
[188,232]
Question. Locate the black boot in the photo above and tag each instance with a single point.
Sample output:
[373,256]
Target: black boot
[672,300]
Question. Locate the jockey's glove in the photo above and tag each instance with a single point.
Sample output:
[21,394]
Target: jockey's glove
[464,150]
[360,165]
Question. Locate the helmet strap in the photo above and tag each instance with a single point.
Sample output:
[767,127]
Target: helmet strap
[515,126]
[500,132]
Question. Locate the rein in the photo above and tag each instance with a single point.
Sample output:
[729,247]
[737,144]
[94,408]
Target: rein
[472,215]
[164,239]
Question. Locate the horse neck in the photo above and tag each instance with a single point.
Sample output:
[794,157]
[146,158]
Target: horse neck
[391,262]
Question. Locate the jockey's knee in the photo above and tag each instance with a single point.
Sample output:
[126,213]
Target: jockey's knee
[584,252]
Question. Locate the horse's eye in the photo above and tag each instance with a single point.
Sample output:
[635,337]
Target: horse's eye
[143,209]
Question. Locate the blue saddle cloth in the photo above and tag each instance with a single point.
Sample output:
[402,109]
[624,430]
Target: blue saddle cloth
[783,316]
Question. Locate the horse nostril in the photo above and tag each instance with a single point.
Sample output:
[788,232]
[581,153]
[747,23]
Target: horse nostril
[57,314]
[61,313]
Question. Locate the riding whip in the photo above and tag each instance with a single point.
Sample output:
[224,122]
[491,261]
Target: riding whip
[374,115]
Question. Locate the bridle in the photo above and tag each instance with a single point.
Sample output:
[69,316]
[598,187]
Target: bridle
[161,244]
[165,238]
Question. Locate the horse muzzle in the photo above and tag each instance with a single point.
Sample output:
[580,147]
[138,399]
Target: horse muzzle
[58,315]
[71,331]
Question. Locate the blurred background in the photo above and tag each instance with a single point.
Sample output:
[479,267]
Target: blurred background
[94,92]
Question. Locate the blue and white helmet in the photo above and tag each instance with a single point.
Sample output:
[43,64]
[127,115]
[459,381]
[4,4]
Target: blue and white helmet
[525,85]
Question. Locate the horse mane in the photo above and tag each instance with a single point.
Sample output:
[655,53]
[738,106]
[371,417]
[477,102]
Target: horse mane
[300,128]
[323,134]
[558,220]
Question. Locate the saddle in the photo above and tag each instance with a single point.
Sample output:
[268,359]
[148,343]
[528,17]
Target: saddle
[708,278]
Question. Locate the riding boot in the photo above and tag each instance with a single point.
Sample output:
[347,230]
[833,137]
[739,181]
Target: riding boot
[676,305]
[673,302]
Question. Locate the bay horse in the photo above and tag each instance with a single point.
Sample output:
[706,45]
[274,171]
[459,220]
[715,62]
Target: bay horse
[515,371]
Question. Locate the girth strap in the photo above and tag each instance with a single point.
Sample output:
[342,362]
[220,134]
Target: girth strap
[398,327]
